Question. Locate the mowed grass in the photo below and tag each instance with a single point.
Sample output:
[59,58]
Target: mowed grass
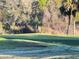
[20,43]
[40,37]
[36,40]
[12,43]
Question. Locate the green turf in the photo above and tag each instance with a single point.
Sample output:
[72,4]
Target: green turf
[25,40]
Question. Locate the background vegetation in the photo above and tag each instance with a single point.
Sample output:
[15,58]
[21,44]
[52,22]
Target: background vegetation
[44,16]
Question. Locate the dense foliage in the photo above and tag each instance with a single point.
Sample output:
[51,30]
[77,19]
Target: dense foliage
[17,15]
[42,3]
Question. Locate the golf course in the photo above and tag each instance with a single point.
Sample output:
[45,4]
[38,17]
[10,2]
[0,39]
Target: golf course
[38,46]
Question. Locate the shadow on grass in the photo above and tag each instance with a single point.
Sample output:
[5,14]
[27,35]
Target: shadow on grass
[11,45]
[19,48]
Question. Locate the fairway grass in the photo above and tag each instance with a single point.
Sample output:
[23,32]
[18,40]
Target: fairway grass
[38,44]
[29,34]
[46,34]
[36,39]
[22,43]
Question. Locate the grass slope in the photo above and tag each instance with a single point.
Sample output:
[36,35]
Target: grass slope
[44,39]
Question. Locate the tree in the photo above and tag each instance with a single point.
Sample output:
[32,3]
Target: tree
[36,16]
[69,9]
[42,3]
